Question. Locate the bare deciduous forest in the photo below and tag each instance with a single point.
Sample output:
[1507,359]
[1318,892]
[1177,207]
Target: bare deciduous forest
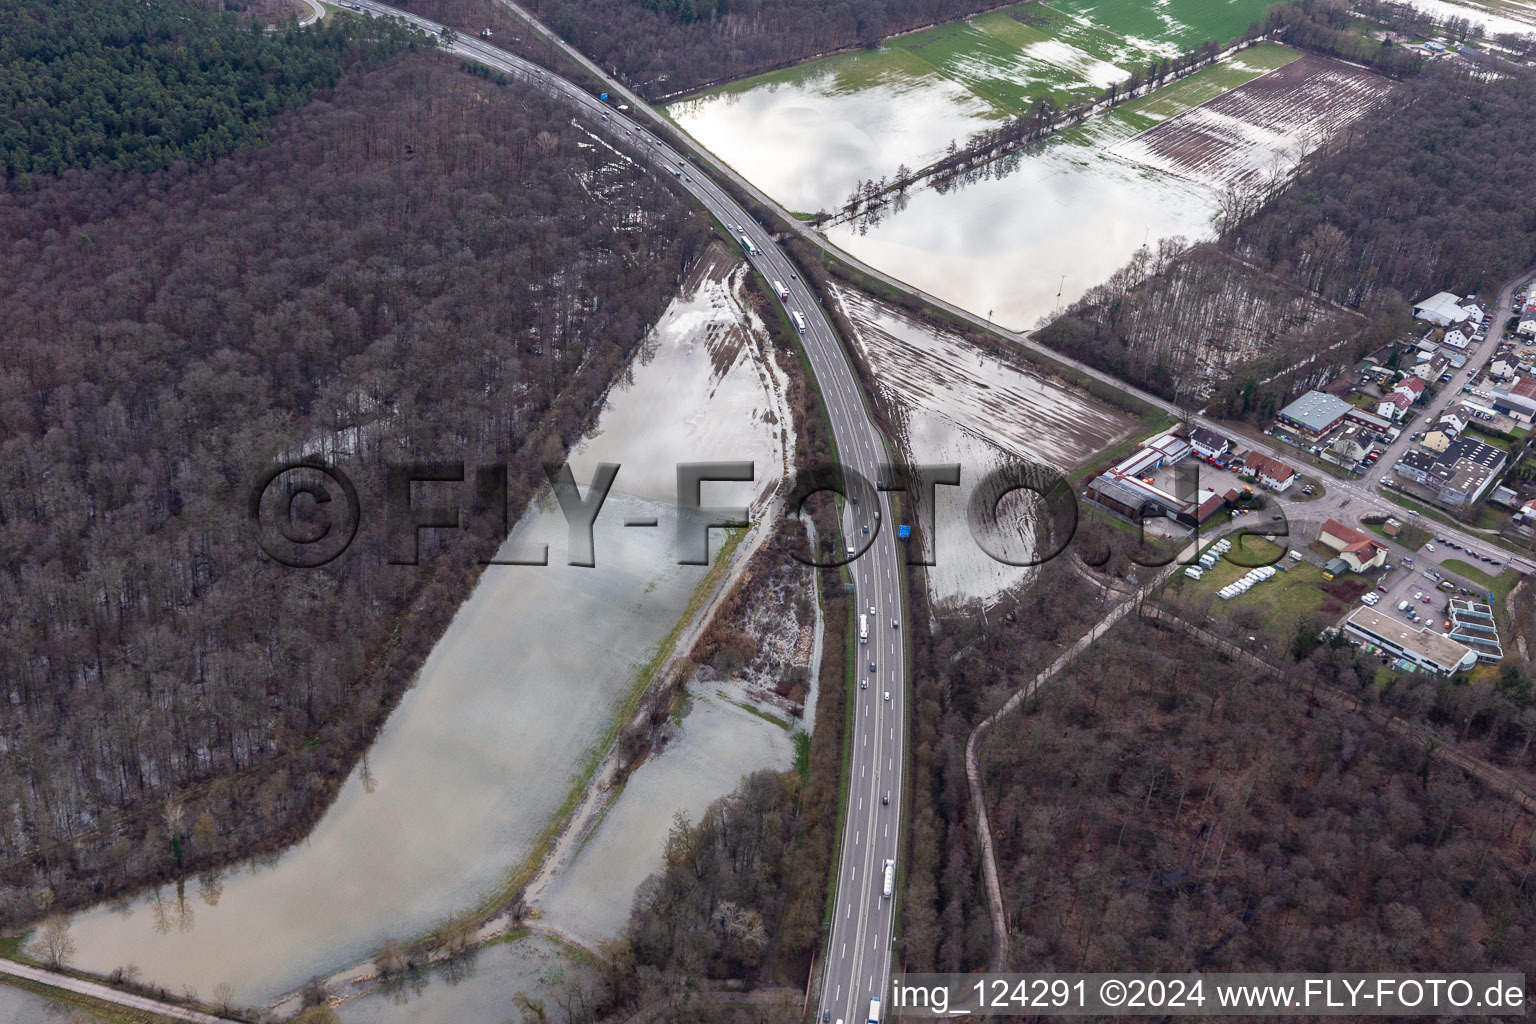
[1162,808]
[1159,807]
[668,47]
[422,265]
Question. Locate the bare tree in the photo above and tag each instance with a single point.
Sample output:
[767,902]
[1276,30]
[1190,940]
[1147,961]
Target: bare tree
[57,945]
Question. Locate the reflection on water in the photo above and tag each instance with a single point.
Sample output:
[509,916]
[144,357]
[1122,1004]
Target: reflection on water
[489,986]
[477,757]
[807,142]
[509,706]
[18,1006]
[719,743]
[1028,234]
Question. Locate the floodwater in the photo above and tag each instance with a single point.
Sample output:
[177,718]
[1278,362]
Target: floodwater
[18,1006]
[475,759]
[480,989]
[1033,235]
[806,142]
[717,744]
[508,707]
[960,405]
[1492,24]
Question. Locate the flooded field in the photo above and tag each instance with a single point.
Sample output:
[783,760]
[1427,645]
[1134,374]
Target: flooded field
[958,404]
[718,743]
[510,708]
[483,987]
[1034,234]
[1496,17]
[806,139]
[1262,129]
[807,135]
[18,1006]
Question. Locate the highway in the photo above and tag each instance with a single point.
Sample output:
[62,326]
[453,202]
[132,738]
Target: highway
[859,950]
[1360,497]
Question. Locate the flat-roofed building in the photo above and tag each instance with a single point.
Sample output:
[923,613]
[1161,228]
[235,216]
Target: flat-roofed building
[1422,648]
[1315,413]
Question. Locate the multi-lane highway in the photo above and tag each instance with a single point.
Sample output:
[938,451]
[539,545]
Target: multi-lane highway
[859,948]
[1345,498]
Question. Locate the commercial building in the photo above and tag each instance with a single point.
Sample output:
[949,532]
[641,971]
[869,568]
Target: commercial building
[1444,308]
[1418,648]
[1473,624]
[1128,489]
[1315,413]
[1462,471]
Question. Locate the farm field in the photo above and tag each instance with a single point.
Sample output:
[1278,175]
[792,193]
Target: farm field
[1181,24]
[952,403]
[1144,112]
[1263,127]
[807,134]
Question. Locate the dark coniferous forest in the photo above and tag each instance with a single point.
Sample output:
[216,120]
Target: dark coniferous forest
[137,86]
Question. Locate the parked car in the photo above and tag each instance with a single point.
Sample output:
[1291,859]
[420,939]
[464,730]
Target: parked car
[1429,547]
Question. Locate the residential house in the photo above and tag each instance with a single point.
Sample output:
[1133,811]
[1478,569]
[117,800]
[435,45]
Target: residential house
[1394,406]
[1272,473]
[1501,369]
[1437,441]
[1359,550]
[1349,445]
[1410,387]
[1430,367]
[1458,336]
[1527,326]
[1210,444]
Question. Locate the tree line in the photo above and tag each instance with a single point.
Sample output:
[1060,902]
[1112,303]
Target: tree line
[421,265]
[665,48]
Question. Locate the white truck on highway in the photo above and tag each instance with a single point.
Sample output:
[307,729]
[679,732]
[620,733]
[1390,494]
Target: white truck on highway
[746,243]
[863,629]
[874,1010]
[799,319]
[890,879]
[780,290]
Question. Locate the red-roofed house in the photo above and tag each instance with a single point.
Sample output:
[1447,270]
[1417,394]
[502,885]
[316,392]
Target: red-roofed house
[1360,550]
[1272,473]
[1413,387]
[1394,405]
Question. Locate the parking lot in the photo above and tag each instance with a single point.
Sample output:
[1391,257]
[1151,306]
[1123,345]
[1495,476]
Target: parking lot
[1417,575]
